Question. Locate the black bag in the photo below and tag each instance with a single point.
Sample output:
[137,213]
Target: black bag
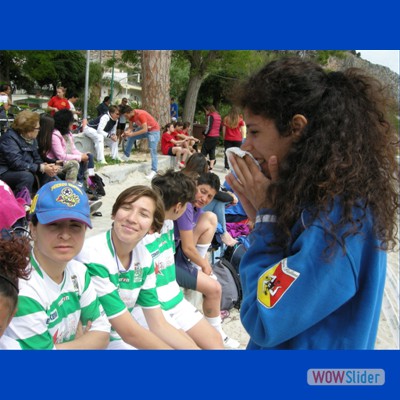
[98,185]
[230,283]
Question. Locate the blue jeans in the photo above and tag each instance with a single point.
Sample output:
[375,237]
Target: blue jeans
[218,208]
[153,139]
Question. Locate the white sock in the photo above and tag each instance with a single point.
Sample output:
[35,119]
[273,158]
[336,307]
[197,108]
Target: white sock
[91,171]
[216,323]
[202,250]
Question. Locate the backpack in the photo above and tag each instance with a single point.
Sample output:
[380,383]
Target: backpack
[97,185]
[230,283]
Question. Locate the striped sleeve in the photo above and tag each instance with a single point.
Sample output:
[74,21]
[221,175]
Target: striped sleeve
[29,326]
[106,286]
[91,309]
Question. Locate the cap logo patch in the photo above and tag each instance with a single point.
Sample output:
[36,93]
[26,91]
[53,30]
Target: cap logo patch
[68,197]
[274,282]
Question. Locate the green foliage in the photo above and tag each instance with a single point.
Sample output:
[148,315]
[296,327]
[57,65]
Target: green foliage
[65,68]
[323,55]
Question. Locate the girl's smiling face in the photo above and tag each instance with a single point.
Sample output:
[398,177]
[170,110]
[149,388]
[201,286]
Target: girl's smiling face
[133,220]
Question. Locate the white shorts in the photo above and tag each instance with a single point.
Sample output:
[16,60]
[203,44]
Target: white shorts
[183,316]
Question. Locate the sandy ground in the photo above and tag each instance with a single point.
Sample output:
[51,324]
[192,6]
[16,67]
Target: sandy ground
[388,335]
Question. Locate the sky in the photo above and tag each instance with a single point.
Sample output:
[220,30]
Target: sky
[387,58]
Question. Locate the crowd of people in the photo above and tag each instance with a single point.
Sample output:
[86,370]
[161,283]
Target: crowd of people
[316,176]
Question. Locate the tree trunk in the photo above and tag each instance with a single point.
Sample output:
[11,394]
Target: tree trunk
[155,86]
[191,97]
[5,61]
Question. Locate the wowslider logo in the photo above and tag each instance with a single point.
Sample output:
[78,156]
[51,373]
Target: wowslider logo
[356,377]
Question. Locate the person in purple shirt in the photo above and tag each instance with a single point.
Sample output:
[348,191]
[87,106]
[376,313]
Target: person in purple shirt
[194,231]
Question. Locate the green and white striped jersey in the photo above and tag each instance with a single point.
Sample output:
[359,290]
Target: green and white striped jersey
[119,289]
[48,313]
[162,248]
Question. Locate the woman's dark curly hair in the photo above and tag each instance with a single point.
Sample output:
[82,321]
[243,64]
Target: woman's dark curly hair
[347,151]
[14,258]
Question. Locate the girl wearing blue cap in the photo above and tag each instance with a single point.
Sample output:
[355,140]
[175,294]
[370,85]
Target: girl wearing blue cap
[58,307]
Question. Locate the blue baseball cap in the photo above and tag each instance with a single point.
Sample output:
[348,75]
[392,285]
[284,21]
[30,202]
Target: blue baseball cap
[58,200]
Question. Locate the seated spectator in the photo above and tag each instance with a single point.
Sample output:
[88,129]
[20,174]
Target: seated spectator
[57,145]
[5,94]
[170,146]
[58,102]
[122,271]
[196,165]
[194,231]
[176,191]
[4,116]
[103,130]
[20,161]
[58,307]
[182,131]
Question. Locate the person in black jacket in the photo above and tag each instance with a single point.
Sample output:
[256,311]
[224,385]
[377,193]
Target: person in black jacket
[19,157]
[102,108]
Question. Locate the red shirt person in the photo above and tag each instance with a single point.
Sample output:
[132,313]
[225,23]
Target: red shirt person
[58,102]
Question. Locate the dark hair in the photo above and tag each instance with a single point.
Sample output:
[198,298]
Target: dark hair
[195,165]
[209,108]
[107,98]
[346,151]
[174,187]
[73,95]
[62,120]
[210,179]
[126,109]
[166,127]
[45,134]
[4,87]
[186,125]
[134,193]
[14,258]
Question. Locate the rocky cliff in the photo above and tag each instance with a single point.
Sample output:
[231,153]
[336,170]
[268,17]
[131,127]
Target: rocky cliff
[389,78]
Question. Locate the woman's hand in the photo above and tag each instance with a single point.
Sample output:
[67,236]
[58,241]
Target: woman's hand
[250,184]
[84,157]
[51,169]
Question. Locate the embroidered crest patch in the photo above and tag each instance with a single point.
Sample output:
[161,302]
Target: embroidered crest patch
[68,197]
[274,282]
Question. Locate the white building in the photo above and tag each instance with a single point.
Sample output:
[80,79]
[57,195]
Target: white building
[124,86]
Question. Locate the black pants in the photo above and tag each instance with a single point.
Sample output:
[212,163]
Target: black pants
[228,144]
[18,179]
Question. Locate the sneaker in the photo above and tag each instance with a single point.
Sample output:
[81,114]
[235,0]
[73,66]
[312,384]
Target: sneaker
[124,158]
[230,343]
[103,162]
[95,205]
[151,175]
[119,159]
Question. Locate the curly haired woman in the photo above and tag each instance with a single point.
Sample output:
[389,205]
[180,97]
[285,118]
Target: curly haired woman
[324,203]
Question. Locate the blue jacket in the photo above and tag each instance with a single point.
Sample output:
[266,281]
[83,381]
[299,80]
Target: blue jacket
[18,155]
[301,300]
